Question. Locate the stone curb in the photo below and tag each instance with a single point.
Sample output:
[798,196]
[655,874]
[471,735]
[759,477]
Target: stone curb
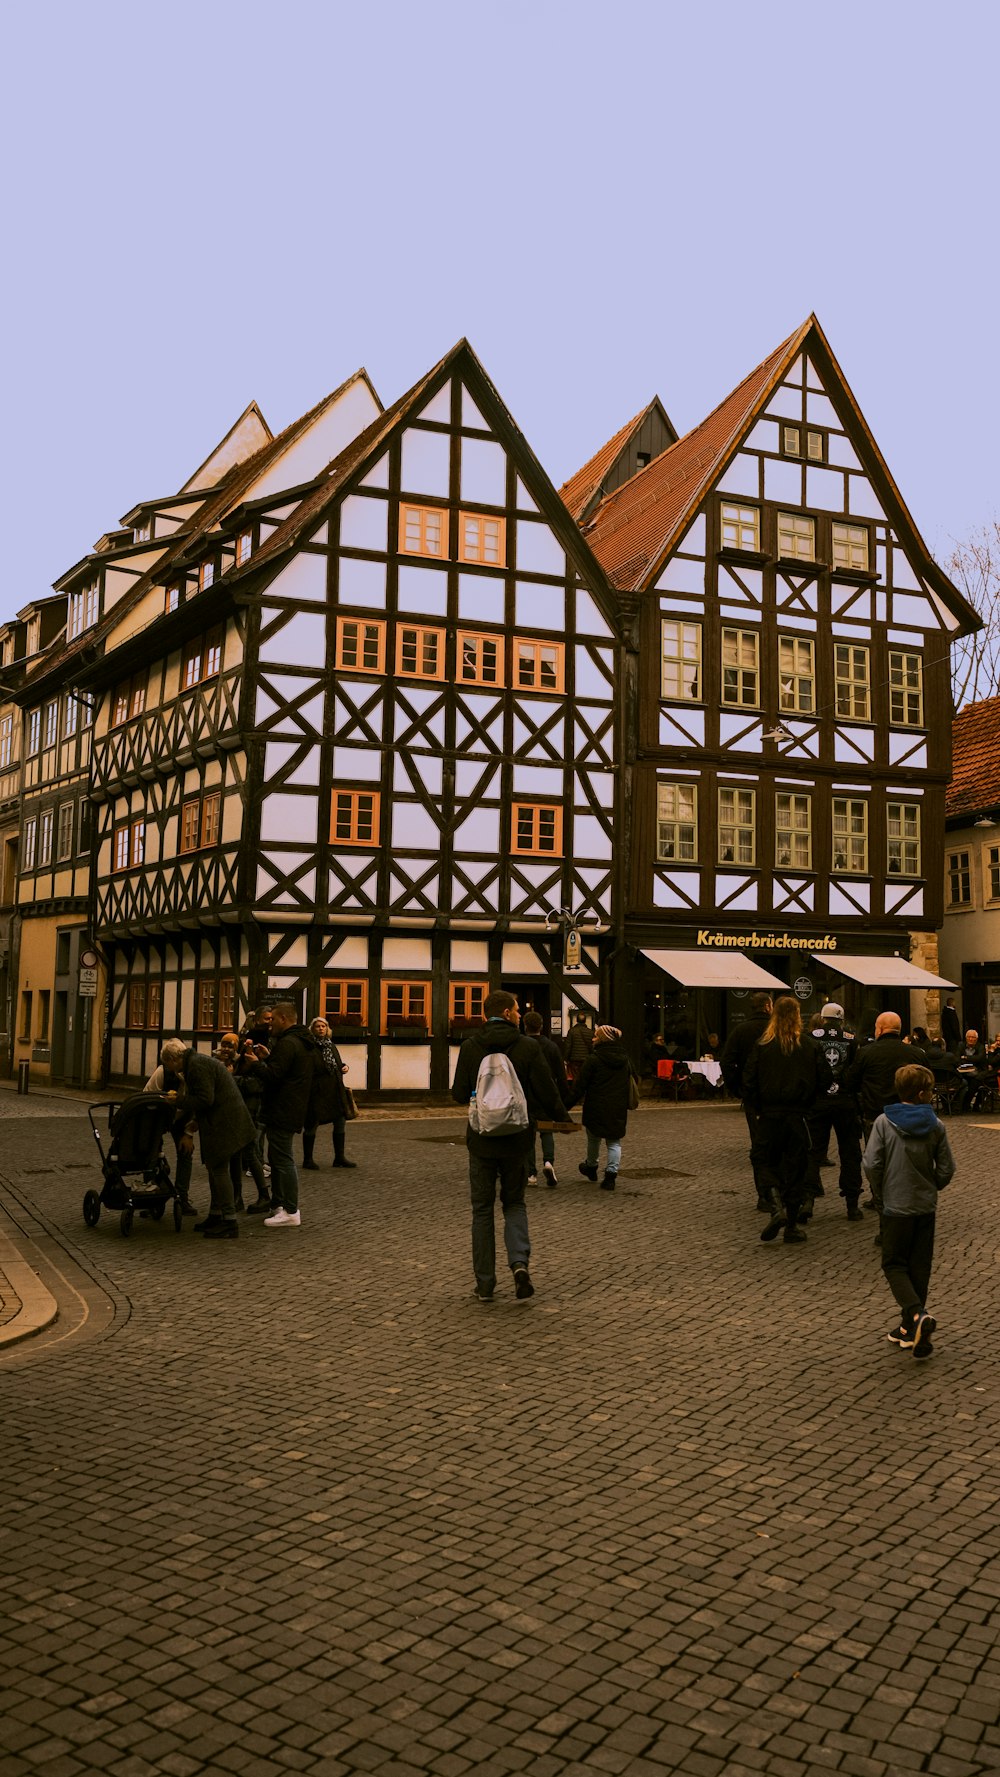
[38,1308]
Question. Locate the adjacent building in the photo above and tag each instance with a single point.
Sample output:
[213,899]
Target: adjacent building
[970,935]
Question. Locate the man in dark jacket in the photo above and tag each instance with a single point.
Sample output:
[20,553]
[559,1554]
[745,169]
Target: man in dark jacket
[872,1075]
[836,1111]
[504,1157]
[208,1093]
[533,1027]
[972,1070]
[578,1045]
[951,1027]
[741,1039]
[287,1076]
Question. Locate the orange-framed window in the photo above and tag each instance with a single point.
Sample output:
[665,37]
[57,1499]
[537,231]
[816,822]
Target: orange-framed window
[202,659]
[466,1001]
[406,1005]
[345,1001]
[206,575]
[244,547]
[201,818]
[537,827]
[128,845]
[354,817]
[539,666]
[360,645]
[154,1005]
[129,700]
[206,1000]
[423,530]
[171,599]
[482,539]
[215,1002]
[137,1005]
[480,658]
[419,652]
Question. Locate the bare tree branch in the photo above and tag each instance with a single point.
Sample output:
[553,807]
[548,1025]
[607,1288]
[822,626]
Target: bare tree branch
[974,566]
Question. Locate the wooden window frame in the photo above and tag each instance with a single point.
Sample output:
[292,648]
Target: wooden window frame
[472,989]
[790,828]
[743,801]
[959,876]
[51,724]
[244,547]
[424,512]
[136,1012]
[46,838]
[200,821]
[909,844]
[846,686]
[407,1018]
[684,663]
[843,538]
[739,701]
[205,653]
[991,872]
[536,811]
[29,843]
[538,647]
[129,700]
[421,632]
[345,985]
[790,522]
[85,827]
[479,640]
[206,574]
[154,1004]
[791,701]
[672,817]
[354,798]
[805,434]
[7,741]
[171,600]
[71,716]
[477,553]
[854,840]
[904,698]
[358,624]
[133,855]
[64,832]
[33,735]
[734,513]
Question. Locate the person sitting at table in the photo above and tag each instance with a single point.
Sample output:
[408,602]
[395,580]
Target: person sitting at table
[973,1070]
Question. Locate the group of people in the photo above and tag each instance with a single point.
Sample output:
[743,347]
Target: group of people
[799,1088]
[276,1079]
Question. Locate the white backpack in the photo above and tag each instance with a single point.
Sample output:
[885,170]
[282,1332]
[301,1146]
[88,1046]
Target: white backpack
[499,1106]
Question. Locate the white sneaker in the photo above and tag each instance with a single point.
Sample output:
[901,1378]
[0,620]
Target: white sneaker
[550,1175]
[283,1219]
[532,1179]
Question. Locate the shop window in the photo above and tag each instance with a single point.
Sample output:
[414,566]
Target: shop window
[405,1007]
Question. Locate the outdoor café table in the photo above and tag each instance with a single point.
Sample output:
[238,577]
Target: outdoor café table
[710,1070]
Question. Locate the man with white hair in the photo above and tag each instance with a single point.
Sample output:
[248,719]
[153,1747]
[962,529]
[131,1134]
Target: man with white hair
[209,1095]
[182,1130]
[872,1077]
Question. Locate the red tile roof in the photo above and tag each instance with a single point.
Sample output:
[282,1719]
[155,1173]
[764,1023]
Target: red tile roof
[633,526]
[577,493]
[975,775]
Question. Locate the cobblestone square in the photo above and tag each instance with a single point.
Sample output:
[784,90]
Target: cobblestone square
[298,1503]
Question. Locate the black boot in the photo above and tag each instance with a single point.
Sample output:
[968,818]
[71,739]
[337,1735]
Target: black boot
[854,1211]
[308,1144]
[609,1181]
[212,1220]
[339,1143]
[225,1229]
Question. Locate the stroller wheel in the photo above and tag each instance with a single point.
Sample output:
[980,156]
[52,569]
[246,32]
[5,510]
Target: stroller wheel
[178,1216]
[92,1209]
[156,1211]
[125,1222]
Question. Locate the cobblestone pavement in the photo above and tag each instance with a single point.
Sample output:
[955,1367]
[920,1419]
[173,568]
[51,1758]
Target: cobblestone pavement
[305,1506]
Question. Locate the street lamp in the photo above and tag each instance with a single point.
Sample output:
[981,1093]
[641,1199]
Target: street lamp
[569,923]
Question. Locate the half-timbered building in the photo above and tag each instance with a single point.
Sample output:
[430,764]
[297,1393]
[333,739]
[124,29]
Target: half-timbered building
[371,764]
[787,707]
[970,934]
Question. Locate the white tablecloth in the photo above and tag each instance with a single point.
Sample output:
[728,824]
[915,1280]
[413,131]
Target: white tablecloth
[711,1070]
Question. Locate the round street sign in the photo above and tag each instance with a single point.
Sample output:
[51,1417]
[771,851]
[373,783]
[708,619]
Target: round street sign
[88,959]
[803,988]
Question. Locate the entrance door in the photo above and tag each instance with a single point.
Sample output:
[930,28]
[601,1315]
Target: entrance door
[532,996]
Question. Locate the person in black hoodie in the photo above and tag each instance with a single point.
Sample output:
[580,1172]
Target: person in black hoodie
[504,1157]
[741,1040]
[784,1076]
[603,1084]
[287,1076]
[534,1028]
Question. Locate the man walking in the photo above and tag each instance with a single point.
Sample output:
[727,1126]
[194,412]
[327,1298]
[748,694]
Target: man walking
[287,1076]
[741,1040]
[872,1075]
[503,1157]
[208,1093]
[534,1028]
[836,1111]
[951,1028]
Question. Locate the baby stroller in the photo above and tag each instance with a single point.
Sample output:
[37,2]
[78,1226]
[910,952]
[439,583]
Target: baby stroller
[136,1172]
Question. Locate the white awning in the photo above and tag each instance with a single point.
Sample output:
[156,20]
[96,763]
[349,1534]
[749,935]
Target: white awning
[882,971]
[713,968]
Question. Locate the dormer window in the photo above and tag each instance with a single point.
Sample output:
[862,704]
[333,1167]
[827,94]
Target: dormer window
[206,574]
[84,610]
[143,531]
[33,636]
[642,459]
[797,441]
[244,546]
[171,600]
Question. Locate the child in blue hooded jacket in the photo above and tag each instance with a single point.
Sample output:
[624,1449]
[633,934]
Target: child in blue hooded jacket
[908,1161]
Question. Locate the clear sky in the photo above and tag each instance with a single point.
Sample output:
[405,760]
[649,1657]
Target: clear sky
[213,202]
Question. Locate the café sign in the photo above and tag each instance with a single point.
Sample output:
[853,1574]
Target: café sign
[762,941]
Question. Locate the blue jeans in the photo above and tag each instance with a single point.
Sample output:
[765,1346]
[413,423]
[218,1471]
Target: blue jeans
[284,1177]
[548,1150]
[513,1175]
[614,1148]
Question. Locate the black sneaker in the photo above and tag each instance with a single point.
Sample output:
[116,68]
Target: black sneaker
[210,1221]
[774,1226]
[224,1230]
[855,1213]
[609,1181]
[263,1206]
[901,1336]
[763,1206]
[523,1286]
[794,1236]
[588,1171]
[925,1326]
[479,1295]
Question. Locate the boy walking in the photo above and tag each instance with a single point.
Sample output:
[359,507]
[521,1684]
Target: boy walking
[908,1161]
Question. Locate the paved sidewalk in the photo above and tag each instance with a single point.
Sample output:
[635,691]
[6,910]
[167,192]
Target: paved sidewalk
[311,1508]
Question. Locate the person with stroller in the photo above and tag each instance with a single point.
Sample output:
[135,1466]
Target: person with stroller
[182,1134]
[208,1093]
[603,1084]
[327,1100]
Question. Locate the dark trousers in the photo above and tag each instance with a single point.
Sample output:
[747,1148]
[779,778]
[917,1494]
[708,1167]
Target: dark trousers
[782,1145]
[845,1121]
[907,1255]
[221,1186]
[513,1176]
[764,1176]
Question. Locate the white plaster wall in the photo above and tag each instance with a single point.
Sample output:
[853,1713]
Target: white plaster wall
[537,549]
[481,598]
[406,1066]
[423,591]
[299,642]
[406,954]
[483,472]
[355,1058]
[289,817]
[362,583]
[520,959]
[364,522]
[351,953]
[469,957]
[303,579]
[425,462]
[330,431]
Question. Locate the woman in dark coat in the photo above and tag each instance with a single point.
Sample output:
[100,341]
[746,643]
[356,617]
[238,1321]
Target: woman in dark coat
[328,1099]
[784,1075]
[603,1084]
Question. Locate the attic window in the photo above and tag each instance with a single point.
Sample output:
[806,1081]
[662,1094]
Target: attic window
[143,532]
[244,545]
[792,438]
[642,458]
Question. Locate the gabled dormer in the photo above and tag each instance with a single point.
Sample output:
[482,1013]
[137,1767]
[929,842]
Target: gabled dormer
[633,448]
